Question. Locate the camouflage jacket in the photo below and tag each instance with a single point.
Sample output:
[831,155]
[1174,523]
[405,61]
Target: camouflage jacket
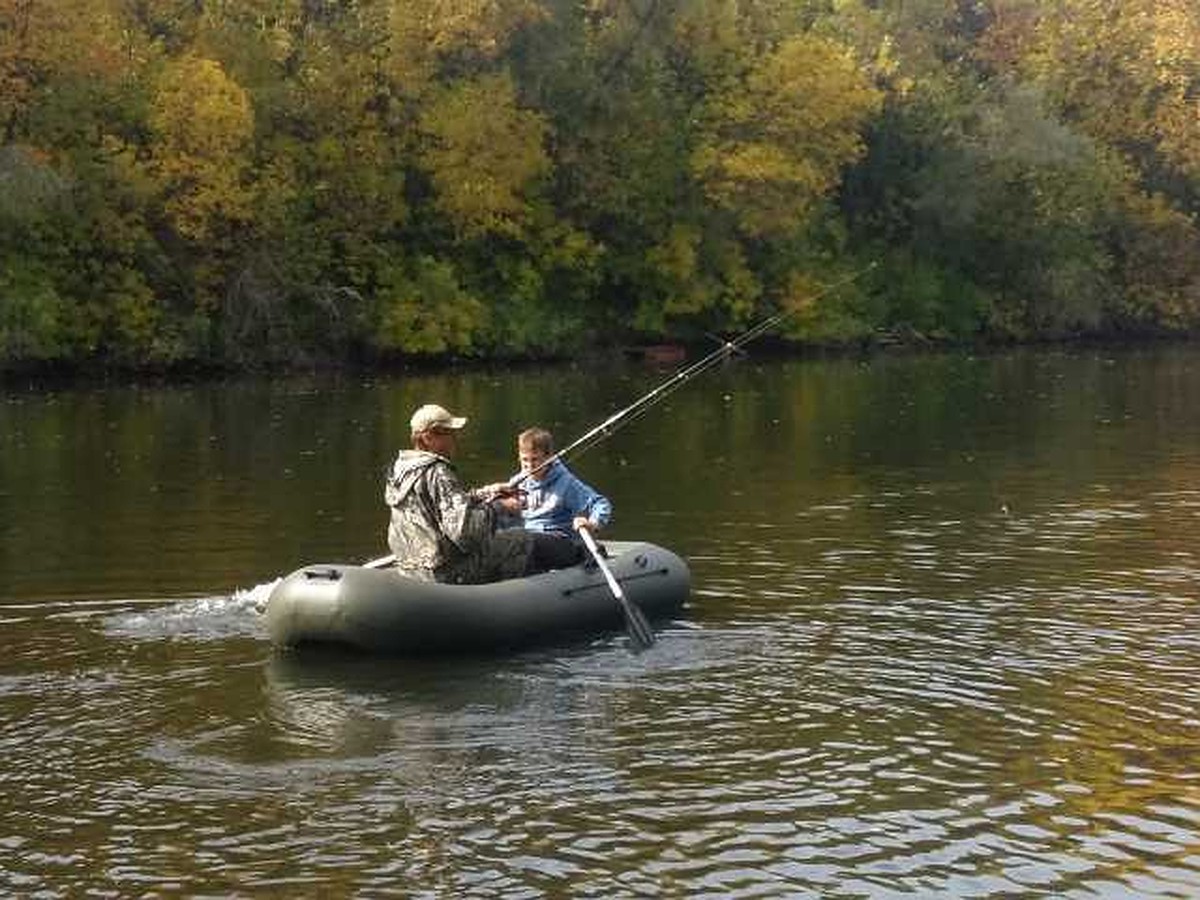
[436,524]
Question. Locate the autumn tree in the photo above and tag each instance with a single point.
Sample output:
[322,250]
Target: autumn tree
[1126,75]
[778,140]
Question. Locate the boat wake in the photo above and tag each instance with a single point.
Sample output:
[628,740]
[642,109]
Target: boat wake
[198,618]
[255,598]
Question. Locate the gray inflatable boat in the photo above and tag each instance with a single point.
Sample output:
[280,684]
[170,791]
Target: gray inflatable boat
[382,611]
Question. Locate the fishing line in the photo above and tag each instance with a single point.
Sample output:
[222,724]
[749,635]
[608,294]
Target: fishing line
[643,404]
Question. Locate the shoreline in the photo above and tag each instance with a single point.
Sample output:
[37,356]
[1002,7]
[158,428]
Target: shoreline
[665,355]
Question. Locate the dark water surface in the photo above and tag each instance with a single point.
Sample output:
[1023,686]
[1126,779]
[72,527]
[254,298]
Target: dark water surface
[944,641]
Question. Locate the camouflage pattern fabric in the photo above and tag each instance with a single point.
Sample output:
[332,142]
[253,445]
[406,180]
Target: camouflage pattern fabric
[439,531]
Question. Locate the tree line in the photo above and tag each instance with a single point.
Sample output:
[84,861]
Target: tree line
[266,182]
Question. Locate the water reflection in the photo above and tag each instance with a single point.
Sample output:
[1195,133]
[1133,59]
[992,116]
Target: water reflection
[943,642]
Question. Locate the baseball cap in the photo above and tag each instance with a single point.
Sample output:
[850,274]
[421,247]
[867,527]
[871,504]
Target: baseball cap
[431,416]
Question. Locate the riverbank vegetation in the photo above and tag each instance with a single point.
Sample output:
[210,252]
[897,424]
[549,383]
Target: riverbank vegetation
[275,182]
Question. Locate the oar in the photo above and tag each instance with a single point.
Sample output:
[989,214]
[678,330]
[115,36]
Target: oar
[635,621]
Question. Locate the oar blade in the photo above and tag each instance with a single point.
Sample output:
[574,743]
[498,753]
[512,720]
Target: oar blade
[639,630]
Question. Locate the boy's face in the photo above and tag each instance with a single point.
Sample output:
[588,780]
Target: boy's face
[530,459]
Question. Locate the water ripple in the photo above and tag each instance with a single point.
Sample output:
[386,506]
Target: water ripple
[937,707]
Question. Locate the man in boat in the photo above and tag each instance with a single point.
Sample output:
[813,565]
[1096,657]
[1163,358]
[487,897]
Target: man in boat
[556,503]
[439,531]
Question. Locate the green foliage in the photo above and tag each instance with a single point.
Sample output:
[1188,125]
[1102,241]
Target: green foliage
[448,39]
[278,181]
[30,190]
[31,314]
[827,317]
[698,276]
[931,301]
[424,309]
[1158,268]
[140,333]
[540,295]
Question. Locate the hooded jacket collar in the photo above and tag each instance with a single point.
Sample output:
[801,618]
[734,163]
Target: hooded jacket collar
[407,470]
[549,475]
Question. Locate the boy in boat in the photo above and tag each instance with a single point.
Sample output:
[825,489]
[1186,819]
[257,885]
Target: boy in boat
[555,502]
[439,531]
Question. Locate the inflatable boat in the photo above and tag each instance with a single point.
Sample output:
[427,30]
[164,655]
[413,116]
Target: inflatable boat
[381,610]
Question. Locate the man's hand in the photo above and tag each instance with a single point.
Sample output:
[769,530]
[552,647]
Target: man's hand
[501,490]
[582,522]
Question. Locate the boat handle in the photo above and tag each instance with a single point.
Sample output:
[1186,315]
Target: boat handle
[330,574]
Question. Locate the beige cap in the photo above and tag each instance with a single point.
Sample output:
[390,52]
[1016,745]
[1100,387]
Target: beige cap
[433,416]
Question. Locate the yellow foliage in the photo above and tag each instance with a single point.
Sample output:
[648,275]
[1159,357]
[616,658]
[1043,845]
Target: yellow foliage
[482,153]
[740,285]
[780,138]
[424,33]
[800,294]
[80,39]
[350,162]
[1128,71]
[1160,263]
[1176,50]
[202,123]
[676,256]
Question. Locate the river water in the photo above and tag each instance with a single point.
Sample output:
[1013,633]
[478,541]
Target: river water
[943,641]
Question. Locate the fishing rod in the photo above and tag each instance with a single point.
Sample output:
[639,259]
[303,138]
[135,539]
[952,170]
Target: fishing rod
[642,405]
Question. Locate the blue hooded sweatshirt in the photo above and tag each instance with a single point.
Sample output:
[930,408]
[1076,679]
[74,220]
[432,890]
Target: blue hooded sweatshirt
[553,501]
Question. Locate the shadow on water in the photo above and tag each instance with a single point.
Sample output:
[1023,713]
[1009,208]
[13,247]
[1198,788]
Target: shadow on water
[321,697]
[438,682]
